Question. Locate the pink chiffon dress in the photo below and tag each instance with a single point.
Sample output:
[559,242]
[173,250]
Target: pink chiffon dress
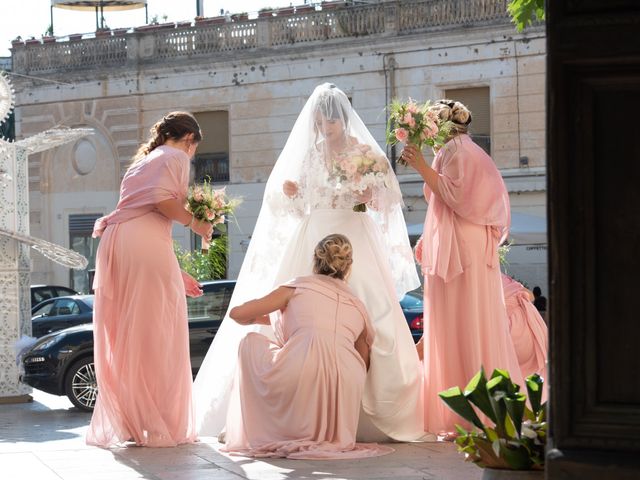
[466,323]
[141,338]
[528,330]
[299,397]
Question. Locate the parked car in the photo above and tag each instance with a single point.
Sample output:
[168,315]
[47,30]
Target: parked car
[413,309]
[44,292]
[59,313]
[61,363]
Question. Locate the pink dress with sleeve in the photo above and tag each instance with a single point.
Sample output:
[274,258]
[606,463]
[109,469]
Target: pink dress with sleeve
[528,330]
[141,337]
[466,323]
[299,397]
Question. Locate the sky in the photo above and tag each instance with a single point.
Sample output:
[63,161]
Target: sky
[28,18]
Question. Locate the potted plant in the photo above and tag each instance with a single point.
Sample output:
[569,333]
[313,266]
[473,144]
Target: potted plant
[266,12]
[240,17]
[285,11]
[120,31]
[17,42]
[305,8]
[513,447]
[74,37]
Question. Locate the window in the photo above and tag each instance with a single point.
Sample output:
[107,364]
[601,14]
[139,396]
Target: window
[65,307]
[477,100]
[80,240]
[212,157]
[212,305]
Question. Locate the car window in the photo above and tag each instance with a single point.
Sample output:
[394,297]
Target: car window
[43,310]
[210,306]
[62,291]
[42,294]
[65,306]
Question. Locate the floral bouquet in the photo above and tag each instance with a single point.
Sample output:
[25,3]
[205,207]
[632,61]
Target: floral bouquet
[362,169]
[210,205]
[416,123]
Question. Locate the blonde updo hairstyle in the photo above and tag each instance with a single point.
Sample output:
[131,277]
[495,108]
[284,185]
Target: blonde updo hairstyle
[173,126]
[333,256]
[454,111]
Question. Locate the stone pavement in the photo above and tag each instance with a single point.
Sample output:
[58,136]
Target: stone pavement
[44,440]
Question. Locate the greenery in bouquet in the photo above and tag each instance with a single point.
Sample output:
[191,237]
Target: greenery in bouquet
[416,123]
[517,435]
[210,204]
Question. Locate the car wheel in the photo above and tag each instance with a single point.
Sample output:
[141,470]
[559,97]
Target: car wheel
[80,384]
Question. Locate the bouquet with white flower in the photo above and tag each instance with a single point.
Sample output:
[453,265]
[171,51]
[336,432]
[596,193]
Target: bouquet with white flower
[360,169]
[210,205]
[416,123]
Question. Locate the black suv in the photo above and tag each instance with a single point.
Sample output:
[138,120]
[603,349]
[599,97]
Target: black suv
[39,293]
[61,363]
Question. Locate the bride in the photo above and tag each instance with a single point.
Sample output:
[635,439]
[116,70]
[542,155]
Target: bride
[331,177]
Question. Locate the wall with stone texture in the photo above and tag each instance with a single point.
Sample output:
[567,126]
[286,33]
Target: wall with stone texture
[263,92]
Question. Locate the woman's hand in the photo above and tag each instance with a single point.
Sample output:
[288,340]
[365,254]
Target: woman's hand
[290,188]
[191,286]
[202,228]
[412,156]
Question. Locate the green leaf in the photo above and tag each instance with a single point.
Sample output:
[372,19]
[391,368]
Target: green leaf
[476,393]
[515,408]
[515,457]
[457,402]
[534,385]
[525,12]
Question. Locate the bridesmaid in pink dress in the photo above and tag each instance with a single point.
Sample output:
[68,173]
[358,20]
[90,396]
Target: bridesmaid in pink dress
[528,330]
[141,337]
[466,323]
[299,397]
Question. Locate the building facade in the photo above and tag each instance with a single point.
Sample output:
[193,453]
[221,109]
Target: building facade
[246,82]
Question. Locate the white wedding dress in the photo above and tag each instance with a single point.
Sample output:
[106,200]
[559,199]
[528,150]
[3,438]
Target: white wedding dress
[282,248]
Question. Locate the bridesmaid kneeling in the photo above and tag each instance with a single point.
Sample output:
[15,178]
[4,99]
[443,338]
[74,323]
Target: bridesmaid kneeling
[299,397]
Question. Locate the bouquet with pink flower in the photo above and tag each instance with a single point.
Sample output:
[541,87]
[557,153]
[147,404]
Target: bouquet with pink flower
[210,205]
[360,169]
[416,123]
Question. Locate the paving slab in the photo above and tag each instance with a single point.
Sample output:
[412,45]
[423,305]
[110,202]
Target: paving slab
[44,440]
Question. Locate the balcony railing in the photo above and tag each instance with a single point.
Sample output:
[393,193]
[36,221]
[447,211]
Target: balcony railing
[158,43]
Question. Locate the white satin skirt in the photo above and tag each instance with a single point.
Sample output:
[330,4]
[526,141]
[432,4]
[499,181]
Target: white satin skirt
[392,405]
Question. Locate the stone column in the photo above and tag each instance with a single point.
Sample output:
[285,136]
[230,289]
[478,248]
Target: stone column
[15,303]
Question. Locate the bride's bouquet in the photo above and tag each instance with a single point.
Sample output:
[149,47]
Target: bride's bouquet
[417,123]
[210,205]
[360,169]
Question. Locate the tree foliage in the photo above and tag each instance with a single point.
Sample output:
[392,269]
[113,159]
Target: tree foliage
[525,12]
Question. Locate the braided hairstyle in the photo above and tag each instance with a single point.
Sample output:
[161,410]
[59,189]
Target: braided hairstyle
[173,126]
[333,256]
[454,111]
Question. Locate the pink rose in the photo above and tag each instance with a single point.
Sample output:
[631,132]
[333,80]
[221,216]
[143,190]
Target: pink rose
[409,120]
[401,135]
[210,215]
[430,130]
[412,107]
[350,168]
[197,196]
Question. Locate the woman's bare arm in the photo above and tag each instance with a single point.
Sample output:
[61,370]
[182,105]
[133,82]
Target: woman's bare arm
[257,311]
[363,347]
